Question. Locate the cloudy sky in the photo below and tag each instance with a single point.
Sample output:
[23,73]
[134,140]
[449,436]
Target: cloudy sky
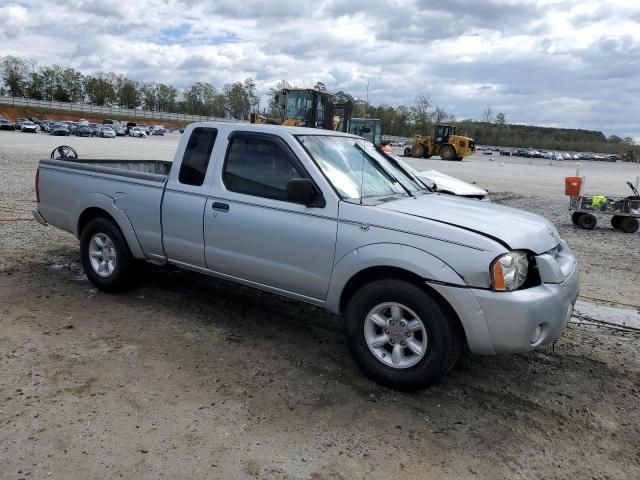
[547,62]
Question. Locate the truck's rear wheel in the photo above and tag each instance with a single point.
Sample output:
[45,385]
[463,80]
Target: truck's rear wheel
[399,336]
[447,152]
[105,256]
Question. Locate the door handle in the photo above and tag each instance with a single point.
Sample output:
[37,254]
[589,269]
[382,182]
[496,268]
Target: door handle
[221,207]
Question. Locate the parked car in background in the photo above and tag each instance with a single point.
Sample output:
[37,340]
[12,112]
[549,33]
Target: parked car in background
[58,129]
[83,131]
[129,126]
[105,131]
[19,123]
[505,153]
[6,124]
[443,183]
[120,130]
[137,132]
[29,127]
[487,151]
[159,130]
[94,128]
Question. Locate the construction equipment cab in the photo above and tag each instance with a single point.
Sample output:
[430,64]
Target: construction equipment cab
[308,107]
[444,142]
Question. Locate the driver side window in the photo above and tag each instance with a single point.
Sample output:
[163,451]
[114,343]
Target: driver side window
[258,167]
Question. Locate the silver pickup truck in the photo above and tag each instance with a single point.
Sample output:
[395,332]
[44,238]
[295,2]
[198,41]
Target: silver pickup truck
[328,219]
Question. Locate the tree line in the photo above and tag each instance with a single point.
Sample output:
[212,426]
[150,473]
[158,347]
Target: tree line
[24,78]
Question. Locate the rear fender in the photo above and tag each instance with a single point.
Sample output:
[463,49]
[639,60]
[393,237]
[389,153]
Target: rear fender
[107,203]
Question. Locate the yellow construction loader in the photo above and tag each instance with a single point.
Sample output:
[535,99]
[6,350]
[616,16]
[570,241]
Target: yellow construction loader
[307,107]
[444,142]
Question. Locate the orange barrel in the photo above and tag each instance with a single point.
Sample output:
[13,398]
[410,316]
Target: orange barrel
[572,186]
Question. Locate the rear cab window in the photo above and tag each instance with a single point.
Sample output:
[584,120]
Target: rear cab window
[197,154]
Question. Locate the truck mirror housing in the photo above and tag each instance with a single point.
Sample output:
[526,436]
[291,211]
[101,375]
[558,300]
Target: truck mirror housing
[302,190]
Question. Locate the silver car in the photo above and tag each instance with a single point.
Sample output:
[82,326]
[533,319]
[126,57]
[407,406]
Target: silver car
[106,131]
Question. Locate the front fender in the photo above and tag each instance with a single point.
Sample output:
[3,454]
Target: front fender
[412,259]
[107,203]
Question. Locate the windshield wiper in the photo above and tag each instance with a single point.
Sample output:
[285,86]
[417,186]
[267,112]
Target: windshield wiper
[383,170]
[408,172]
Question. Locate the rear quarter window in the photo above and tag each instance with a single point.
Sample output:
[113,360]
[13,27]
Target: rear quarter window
[196,156]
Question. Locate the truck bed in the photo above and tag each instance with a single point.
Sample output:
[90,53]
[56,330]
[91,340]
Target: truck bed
[153,170]
[129,190]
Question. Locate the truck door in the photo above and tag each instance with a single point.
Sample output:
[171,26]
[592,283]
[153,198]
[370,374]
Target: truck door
[184,201]
[254,234]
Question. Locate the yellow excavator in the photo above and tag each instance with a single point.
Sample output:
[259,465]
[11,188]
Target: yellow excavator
[445,142]
[308,107]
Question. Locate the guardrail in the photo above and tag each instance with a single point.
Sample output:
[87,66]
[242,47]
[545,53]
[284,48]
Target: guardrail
[110,111]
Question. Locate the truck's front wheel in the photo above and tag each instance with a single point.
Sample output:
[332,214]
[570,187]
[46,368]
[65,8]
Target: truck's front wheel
[105,256]
[399,335]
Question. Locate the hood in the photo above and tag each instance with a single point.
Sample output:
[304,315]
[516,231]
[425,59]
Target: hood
[446,183]
[517,229]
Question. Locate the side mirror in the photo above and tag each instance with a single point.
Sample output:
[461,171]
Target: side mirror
[302,190]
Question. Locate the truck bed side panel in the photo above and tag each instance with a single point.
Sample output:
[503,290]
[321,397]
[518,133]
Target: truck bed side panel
[131,198]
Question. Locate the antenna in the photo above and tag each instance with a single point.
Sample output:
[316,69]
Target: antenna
[366,101]
[362,175]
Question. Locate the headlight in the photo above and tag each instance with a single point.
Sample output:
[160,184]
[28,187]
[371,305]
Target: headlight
[509,272]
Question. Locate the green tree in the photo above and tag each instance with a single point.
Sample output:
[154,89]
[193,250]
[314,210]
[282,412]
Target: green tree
[274,107]
[237,101]
[15,74]
[128,96]
[421,113]
[252,97]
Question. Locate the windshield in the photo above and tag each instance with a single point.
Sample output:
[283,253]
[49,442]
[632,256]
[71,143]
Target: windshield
[356,169]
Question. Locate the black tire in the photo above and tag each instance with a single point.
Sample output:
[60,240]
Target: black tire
[615,221]
[407,152]
[122,276]
[418,150]
[443,346]
[575,217]
[587,221]
[447,152]
[629,224]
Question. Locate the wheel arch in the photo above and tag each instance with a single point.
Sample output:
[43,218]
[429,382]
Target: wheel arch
[372,274]
[120,220]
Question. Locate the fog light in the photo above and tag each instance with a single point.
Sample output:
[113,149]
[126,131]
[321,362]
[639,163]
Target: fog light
[536,335]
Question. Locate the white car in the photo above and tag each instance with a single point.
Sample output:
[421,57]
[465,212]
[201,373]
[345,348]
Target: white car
[29,126]
[443,183]
[453,186]
[137,132]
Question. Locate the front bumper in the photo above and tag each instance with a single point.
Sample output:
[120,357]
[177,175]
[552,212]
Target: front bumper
[525,319]
[508,322]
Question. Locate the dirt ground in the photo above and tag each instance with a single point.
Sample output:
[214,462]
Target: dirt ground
[190,377]
[13,113]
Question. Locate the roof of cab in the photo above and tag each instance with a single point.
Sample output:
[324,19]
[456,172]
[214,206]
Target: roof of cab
[252,127]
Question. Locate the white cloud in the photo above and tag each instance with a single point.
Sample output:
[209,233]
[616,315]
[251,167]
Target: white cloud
[563,62]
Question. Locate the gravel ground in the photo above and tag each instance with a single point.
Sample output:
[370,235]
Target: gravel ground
[165,382]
